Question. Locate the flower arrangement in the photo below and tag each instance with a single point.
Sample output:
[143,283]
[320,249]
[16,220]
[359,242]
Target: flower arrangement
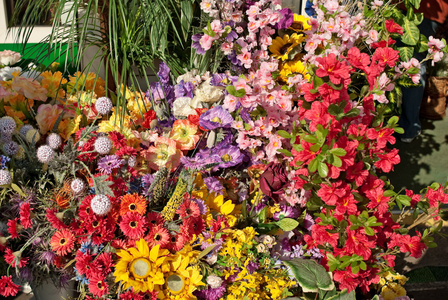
[254,182]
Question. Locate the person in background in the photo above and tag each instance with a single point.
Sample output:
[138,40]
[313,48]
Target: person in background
[435,13]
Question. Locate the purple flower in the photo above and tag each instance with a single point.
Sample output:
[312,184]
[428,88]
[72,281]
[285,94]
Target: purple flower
[230,156]
[286,212]
[286,20]
[157,92]
[200,160]
[218,79]
[297,251]
[245,115]
[214,185]
[308,222]
[252,267]
[202,207]
[108,163]
[184,89]
[47,257]
[164,73]
[211,294]
[196,45]
[216,117]
[26,274]
[3,160]
[315,253]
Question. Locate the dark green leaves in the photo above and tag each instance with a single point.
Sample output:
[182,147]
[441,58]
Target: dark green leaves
[311,276]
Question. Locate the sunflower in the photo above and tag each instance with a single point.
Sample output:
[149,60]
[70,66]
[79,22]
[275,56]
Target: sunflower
[282,46]
[182,280]
[140,268]
[292,68]
[62,242]
[132,203]
[300,23]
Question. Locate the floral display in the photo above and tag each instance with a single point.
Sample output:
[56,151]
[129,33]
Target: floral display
[263,180]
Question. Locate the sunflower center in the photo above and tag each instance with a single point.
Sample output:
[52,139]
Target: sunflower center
[132,206]
[285,48]
[297,26]
[63,241]
[175,284]
[217,120]
[133,224]
[226,158]
[140,268]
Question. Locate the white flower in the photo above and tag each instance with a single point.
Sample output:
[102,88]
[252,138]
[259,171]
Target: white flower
[261,248]
[45,154]
[8,57]
[100,205]
[182,107]
[212,259]
[191,76]
[208,93]
[77,186]
[214,281]
[6,73]
[102,145]
[5,177]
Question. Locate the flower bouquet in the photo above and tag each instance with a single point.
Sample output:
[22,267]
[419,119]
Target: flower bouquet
[263,180]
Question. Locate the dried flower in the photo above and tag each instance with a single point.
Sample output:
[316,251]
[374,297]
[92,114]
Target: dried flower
[45,154]
[103,145]
[54,140]
[103,105]
[100,205]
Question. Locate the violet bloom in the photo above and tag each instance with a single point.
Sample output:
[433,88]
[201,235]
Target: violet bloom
[286,20]
[47,257]
[202,207]
[297,251]
[164,73]
[3,160]
[184,89]
[218,79]
[199,161]
[211,294]
[286,212]
[216,117]
[308,222]
[230,156]
[196,45]
[214,185]
[252,267]
[109,163]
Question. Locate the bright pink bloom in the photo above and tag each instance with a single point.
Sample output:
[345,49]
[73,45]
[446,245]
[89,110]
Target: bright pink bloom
[330,66]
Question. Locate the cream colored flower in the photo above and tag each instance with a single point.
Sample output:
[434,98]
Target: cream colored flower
[208,93]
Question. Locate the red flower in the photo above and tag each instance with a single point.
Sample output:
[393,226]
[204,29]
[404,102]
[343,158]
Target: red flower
[98,285]
[388,160]
[117,139]
[378,200]
[406,243]
[13,228]
[346,279]
[307,89]
[188,209]
[83,263]
[331,66]
[54,221]
[385,56]
[62,242]
[7,287]
[321,236]
[154,218]
[330,194]
[358,243]
[383,43]
[357,59]
[358,173]
[133,225]
[25,219]
[177,241]
[103,263]
[393,27]
[192,226]
[382,136]
[435,197]
[318,114]
[158,235]
[13,260]
[149,116]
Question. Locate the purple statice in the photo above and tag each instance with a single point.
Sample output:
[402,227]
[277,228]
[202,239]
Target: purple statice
[184,89]
[218,79]
[210,293]
[202,207]
[286,212]
[286,20]
[297,251]
[252,267]
[196,44]
[200,160]
[216,117]
[147,179]
[214,185]
[233,57]
[230,156]
[204,245]
[315,253]
[244,114]
[109,163]
[3,160]
[158,91]
[164,73]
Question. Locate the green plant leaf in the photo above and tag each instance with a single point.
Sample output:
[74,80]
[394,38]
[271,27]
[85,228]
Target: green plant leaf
[284,134]
[310,139]
[406,53]
[186,18]
[312,167]
[311,276]
[411,33]
[322,168]
[338,151]
[287,224]
[285,152]
[343,295]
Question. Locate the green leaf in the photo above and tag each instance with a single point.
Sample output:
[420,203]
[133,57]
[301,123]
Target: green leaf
[284,134]
[311,276]
[337,162]
[392,121]
[389,193]
[285,152]
[343,295]
[405,200]
[422,45]
[186,18]
[310,139]
[287,224]
[338,151]
[206,251]
[406,53]
[312,167]
[411,33]
[322,169]
[17,189]
[369,231]
[415,3]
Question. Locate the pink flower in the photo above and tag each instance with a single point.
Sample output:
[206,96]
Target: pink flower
[331,5]
[206,42]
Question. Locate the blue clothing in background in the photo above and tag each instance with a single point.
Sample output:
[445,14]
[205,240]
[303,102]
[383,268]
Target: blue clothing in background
[309,8]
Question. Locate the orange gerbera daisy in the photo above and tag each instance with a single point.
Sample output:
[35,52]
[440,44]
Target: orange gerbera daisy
[133,203]
[62,242]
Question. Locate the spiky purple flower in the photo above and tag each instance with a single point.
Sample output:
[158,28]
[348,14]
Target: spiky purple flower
[286,212]
[214,185]
[108,163]
[216,117]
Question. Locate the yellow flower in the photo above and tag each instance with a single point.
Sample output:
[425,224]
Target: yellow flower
[117,124]
[292,68]
[282,46]
[392,291]
[140,268]
[185,134]
[181,280]
[69,126]
[300,23]
[90,82]
[52,82]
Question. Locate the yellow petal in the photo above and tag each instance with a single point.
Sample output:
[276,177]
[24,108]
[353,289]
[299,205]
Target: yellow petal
[227,207]
[154,253]
[142,247]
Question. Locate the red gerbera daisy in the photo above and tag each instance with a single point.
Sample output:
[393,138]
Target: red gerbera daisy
[133,225]
[133,203]
[177,241]
[25,219]
[62,242]
[98,285]
[15,260]
[117,139]
[192,226]
[83,263]
[7,287]
[105,233]
[154,218]
[188,209]
[104,263]
[54,220]
[13,228]
[158,235]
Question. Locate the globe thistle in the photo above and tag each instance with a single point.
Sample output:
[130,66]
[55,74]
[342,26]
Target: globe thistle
[11,148]
[5,177]
[24,129]
[103,145]
[20,155]
[5,137]
[77,186]
[7,125]
[32,136]
[54,141]
[103,105]
[100,205]
[45,154]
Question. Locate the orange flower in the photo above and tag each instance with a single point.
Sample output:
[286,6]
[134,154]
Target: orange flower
[17,115]
[132,203]
[185,134]
[30,88]
[52,82]
[62,241]
[91,83]
[46,117]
